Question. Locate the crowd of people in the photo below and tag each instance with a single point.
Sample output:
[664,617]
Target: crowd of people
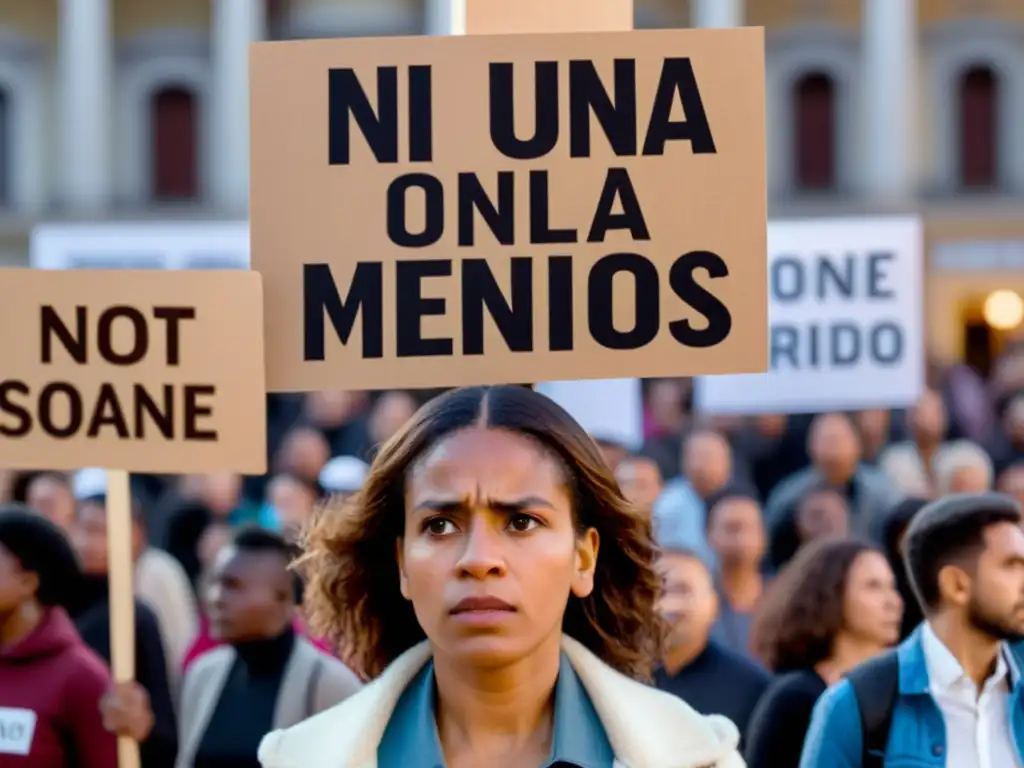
[523,593]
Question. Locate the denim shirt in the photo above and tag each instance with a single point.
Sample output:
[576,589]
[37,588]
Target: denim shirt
[579,740]
[918,733]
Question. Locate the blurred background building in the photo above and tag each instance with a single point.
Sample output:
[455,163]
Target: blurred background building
[132,110]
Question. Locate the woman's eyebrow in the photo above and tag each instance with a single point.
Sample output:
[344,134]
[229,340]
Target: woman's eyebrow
[510,507]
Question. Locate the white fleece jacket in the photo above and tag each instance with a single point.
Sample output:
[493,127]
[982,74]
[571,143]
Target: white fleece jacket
[647,728]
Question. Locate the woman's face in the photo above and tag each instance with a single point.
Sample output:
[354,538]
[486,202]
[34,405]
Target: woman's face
[872,606]
[490,552]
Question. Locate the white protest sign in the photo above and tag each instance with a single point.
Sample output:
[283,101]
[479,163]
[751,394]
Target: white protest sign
[17,727]
[609,409]
[845,309]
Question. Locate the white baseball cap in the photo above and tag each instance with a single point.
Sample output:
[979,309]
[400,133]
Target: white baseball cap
[343,474]
[89,483]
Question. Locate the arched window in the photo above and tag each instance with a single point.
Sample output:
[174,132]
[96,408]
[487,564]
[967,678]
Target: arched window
[175,172]
[6,151]
[979,127]
[814,113]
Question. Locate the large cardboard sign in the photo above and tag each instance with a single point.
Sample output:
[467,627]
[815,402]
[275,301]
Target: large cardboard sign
[132,370]
[846,321]
[470,210]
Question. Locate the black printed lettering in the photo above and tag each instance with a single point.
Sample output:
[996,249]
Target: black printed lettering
[685,286]
[365,297]
[601,310]
[513,317]
[502,111]
[397,210]
[412,307]
[195,410]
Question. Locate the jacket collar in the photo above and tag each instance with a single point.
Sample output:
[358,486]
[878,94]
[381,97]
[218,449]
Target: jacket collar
[914,668]
[647,728]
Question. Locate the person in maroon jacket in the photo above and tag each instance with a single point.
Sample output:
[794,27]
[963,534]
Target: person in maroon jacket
[51,684]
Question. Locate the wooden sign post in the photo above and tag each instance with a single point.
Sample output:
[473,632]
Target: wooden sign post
[139,372]
[473,209]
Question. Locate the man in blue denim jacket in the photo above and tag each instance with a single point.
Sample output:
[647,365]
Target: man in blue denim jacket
[958,701]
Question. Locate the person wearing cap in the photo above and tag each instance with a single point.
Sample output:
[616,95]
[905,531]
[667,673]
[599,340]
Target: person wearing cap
[159,579]
[343,475]
[91,613]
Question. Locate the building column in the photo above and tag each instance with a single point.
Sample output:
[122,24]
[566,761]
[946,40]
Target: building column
[446,17]
[716,13]
[234,25]
[888,86]
[85,66]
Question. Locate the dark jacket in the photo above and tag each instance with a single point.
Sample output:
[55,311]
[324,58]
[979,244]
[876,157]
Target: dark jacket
[50,688]
[91,613]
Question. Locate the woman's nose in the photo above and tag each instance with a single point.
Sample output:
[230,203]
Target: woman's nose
[483,554]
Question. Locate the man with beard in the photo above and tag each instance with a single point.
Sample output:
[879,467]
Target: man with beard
[706,675]
[950,695]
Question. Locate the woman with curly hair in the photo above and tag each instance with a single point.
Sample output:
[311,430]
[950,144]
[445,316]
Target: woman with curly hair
[832,607]
[493,580]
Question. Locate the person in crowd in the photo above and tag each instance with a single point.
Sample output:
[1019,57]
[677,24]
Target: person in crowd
[50,494]
[775,446]
[1011,482]
[389,415]
[221,493]
[835,460]
[735,531]
[958,695]
[694,666]
[159,579]
[1007,444]
[51,683]
[832,607]
[342,416]
[303,453]
[213,540]
[874,428]
[496,584]
[343,476]
[821,512]
[908,464]
[291,499]
[91,613]
[894,529]
[707,462]
[961,466]
[680,511]
[640,481]
[266,676]
[665,420]
[193,538]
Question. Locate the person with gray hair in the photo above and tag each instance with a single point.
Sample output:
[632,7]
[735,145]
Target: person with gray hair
[952,689]
[962,467]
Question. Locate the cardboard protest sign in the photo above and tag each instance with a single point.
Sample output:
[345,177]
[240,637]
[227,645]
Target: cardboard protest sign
[134,370]
[445,211]
[846,321]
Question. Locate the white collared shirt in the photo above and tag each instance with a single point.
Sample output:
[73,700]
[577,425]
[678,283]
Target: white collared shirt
[977,726]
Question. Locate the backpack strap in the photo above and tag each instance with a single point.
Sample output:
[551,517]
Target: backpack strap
[876,686]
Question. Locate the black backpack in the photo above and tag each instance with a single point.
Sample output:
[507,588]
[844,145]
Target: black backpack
[875,685]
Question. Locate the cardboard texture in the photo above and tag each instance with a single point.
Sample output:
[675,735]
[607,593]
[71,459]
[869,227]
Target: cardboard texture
[220,348]
[431,315]
[495,17]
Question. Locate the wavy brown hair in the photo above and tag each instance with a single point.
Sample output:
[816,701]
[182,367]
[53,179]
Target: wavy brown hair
[353,596]
[801,613]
